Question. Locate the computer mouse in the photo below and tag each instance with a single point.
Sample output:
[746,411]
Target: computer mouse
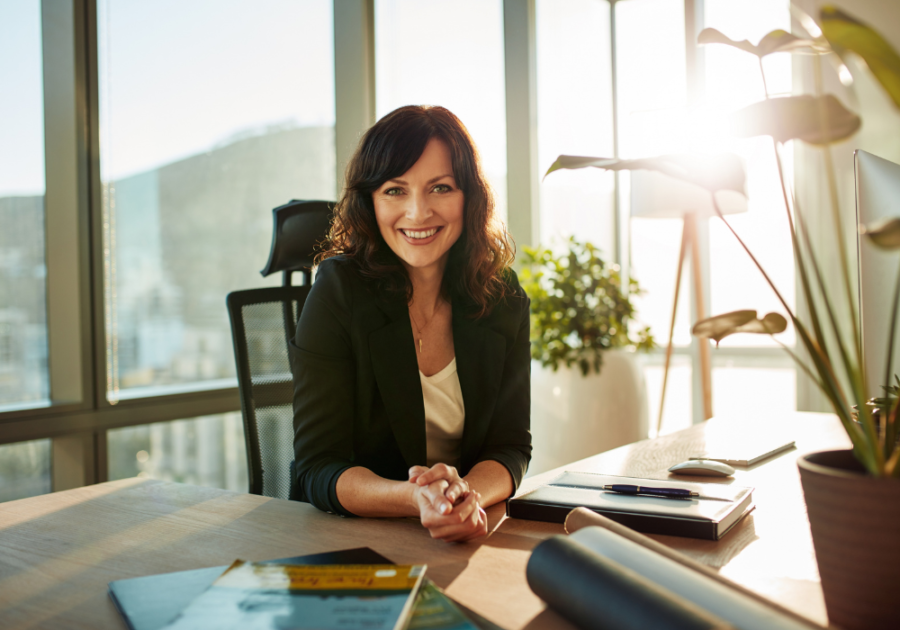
[702,467]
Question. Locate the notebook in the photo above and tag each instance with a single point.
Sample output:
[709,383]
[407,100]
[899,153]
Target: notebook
[266,596]
[151,602]
[710,517]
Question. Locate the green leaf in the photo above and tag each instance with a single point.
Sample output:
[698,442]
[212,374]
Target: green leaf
[813,119]
[712,172]
[846,33]
[884,234]
[773,42]
[720,326]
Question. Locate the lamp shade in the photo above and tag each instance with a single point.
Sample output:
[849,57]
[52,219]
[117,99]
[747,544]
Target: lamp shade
[657,195]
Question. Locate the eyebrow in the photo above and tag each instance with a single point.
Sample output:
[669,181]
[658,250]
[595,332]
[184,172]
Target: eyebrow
[430,181]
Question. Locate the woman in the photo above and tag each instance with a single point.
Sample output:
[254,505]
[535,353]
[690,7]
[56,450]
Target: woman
[411,360]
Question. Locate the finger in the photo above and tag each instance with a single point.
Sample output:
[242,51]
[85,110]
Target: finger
[466,508]
[434,492]
[482,528]
[438,471]
[416,471]
[456,490]
[457,524]
[473,527]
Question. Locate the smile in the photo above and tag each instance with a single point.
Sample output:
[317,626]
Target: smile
[421,234]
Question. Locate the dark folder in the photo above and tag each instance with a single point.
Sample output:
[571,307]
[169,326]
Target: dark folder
[709,518]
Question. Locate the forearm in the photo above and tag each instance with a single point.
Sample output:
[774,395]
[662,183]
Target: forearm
[363,493]
[490,479]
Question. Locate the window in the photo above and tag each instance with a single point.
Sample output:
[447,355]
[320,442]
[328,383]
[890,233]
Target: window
[23,315]
[449,53]
[24,469]
[575,117]
[211,115]
[205,451]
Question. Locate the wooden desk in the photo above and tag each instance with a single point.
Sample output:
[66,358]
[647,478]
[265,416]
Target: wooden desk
[59,551]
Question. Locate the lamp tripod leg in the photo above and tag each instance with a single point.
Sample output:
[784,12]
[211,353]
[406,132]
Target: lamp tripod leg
[705,359]
[685,243]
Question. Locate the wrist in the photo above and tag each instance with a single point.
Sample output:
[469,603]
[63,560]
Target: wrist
[411,492]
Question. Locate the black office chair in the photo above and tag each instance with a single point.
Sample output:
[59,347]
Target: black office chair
[262,322]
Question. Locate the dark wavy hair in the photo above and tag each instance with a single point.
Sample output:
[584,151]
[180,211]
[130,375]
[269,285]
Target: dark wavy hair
[479,258]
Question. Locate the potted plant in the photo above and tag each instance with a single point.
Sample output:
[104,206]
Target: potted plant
[588,392]
[853,496]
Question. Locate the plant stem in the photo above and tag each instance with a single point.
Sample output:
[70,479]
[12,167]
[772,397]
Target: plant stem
[891,336]
[890,432]
[836,211]
[833,388]
[799,362]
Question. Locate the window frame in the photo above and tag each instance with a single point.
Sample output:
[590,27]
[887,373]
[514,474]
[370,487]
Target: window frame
[79,413]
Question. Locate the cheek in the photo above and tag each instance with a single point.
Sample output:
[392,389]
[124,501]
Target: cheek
[383,219]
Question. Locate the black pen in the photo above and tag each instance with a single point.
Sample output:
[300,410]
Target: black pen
[668,493]
[662,493]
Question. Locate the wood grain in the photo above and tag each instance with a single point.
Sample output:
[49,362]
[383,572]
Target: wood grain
[59,551]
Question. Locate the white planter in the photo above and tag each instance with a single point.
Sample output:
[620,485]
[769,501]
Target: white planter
[573,416]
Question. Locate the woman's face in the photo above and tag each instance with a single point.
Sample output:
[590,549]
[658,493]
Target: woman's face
[420,213]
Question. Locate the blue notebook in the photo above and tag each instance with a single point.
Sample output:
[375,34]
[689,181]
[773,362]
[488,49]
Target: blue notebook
[151,602]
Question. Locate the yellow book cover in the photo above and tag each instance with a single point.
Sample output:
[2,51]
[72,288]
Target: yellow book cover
[306,597]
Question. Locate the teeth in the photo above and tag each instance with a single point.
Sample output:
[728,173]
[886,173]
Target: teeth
[420,233]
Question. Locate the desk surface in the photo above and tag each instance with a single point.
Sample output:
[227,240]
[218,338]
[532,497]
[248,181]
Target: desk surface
[59,551]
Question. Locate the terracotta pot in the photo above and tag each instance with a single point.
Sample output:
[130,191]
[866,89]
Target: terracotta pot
[855,524]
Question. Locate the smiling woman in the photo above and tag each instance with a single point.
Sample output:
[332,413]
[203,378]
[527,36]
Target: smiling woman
[420,216]
[411,360]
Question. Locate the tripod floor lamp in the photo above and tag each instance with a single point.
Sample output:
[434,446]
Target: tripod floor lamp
[657,195]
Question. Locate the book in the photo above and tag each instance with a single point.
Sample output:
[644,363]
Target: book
[263,596]
[580,575]
[151,602]
[710,516]
[433,610]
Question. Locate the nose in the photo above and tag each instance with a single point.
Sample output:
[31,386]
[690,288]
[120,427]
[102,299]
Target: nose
[418,209]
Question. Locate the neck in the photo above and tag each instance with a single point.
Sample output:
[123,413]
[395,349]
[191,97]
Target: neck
[427,285]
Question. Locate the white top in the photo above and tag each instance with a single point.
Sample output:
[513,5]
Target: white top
[445,415]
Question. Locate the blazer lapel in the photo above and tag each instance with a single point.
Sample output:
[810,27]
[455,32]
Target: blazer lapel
[396,368]
[480,356]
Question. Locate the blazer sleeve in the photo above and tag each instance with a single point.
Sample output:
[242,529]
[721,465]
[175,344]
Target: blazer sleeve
[508,440]
[324,385]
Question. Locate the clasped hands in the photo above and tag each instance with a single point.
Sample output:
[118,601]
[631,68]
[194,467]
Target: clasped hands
[449,509]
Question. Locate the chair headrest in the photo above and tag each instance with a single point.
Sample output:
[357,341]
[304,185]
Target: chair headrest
[298,228]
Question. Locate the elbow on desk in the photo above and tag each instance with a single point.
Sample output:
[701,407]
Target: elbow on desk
[316,484]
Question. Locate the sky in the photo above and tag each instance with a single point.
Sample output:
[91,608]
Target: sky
[21,99]
[178,78]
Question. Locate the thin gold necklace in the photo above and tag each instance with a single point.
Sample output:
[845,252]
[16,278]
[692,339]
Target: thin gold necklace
[418,330]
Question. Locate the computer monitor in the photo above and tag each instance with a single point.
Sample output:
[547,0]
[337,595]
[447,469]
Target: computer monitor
[877,197]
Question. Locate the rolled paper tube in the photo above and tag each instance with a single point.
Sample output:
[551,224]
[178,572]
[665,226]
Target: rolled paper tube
[580,518]
[594,592]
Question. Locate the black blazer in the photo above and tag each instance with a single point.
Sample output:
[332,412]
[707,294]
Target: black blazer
[358,397]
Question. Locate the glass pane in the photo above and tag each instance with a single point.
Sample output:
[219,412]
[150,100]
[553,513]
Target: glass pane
[733,81]
[448,53]
[204,451]
[23,314]
[677,414]
[652,98]
[758,392]
[24,469]
[211,115]
[574,75]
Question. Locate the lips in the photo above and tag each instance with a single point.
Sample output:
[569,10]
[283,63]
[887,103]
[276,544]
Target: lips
[421,234]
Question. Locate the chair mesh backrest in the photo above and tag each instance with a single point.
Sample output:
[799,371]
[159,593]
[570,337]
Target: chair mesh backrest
[267,319]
